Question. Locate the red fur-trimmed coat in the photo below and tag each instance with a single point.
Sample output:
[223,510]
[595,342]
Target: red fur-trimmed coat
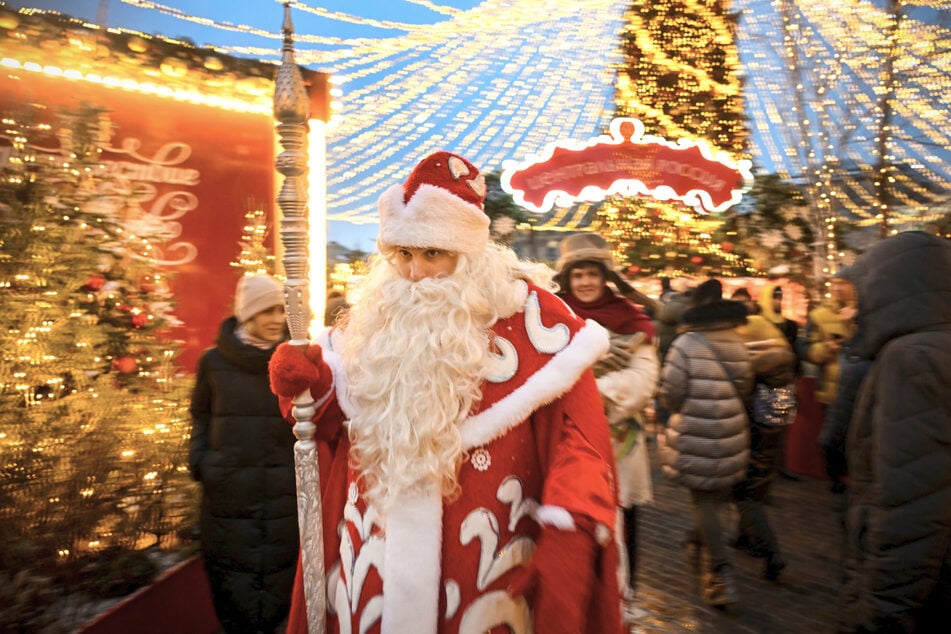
[537,444]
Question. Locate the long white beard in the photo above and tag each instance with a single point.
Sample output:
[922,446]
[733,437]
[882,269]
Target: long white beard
[415,354]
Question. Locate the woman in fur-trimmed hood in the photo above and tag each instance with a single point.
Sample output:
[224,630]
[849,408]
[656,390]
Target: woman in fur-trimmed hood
[898,522]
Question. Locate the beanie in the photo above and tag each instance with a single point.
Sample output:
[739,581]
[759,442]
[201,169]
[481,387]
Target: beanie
[584,247]
[255,293]
[439,206]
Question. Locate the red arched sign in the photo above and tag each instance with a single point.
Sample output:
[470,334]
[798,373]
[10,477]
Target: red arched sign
[627,163]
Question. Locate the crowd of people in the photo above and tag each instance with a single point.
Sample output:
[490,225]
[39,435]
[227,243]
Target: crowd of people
[483,424]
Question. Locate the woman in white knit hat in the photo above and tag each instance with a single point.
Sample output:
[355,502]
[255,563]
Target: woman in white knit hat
[242,453]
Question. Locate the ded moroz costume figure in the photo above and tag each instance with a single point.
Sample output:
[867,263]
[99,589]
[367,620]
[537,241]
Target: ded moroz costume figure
[469,482]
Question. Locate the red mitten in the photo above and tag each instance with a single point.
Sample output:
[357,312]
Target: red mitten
[559,580]
[293,370]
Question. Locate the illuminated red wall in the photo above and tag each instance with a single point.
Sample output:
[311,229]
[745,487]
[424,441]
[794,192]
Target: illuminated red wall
[233,154]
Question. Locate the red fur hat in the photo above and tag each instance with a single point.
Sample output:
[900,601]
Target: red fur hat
[440,206]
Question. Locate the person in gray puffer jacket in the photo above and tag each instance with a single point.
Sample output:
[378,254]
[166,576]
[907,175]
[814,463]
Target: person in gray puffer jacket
[705,382]
[897,575]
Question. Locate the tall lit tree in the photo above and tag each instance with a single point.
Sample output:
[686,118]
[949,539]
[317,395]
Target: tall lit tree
[680,77]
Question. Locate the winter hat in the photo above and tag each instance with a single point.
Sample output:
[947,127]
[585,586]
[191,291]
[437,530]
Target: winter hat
[707,293]
[440,206]
[584,247]
[255,293]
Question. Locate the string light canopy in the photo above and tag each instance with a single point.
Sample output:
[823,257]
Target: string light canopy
[872,145]
[488,82]
[503,78]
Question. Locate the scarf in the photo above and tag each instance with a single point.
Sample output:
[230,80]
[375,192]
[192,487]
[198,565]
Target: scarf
[246,337]
[614,312]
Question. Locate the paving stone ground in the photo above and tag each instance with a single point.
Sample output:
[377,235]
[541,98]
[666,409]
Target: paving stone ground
[803,600]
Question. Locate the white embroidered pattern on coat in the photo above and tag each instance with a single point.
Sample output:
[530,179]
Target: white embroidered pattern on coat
[353,571]
[481,460]
[546,340]
[502,366]
[453,598]
[510,492]
[483,614]
[495,609]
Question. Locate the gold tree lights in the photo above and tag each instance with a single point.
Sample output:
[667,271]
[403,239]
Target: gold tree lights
[256,256]
[93,426]
[679,76]
[680,72]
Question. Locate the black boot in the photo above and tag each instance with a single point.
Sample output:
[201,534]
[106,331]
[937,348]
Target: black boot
[718,587]
[693,549]
[774,565]
[750,546]
[630,542]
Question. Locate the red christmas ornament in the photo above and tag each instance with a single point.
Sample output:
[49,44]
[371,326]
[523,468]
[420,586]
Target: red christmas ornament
[140,320]
[633,269]
[697,259]
[95,283]
[727,247]
[125,365]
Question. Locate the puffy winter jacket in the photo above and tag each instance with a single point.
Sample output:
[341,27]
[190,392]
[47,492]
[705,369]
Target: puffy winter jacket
[707,441]
[898,557]
[242,452]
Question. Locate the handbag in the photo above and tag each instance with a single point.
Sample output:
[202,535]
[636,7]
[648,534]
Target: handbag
[774,406]
[770,406]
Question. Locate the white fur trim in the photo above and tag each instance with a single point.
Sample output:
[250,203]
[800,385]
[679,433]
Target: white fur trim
[433,217]
[553,380]
[556,516]
[411,563]
[330,347]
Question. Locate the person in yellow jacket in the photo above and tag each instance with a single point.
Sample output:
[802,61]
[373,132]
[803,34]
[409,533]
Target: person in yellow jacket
[828,327]
[770,304]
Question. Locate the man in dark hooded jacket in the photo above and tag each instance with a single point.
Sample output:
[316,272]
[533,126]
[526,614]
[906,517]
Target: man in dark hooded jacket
[898,558]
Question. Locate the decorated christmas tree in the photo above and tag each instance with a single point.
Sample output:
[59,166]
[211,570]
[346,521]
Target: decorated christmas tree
[680,77]
[93,423]
[256,257]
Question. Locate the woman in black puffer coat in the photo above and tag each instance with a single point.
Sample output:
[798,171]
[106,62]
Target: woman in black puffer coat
[242,453]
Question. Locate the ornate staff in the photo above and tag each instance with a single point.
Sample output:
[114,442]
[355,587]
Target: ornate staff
[290,110]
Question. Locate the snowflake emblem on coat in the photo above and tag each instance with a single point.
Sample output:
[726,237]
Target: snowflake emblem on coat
[481,460]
